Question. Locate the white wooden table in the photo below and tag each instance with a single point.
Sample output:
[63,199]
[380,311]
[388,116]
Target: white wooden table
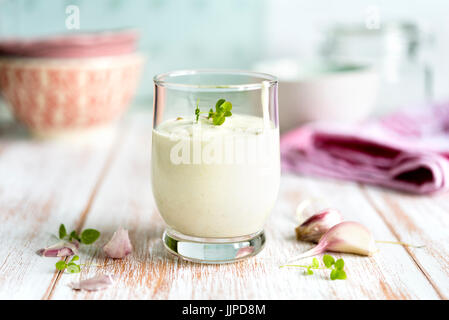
[107,185]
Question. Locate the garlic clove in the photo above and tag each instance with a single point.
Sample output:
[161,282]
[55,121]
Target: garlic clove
[350,237]
[345,237]
[318,224]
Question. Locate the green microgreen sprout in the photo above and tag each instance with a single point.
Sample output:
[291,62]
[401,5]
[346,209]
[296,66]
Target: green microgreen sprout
[71,266]
[337,267]
[87,236]
[197,110]
[222,111]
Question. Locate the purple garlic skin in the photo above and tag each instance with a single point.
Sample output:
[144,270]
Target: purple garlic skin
[60,249]
[93,284]
[119,246]
[317,225]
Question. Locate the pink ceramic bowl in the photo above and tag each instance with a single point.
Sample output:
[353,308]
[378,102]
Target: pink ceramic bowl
[55,96]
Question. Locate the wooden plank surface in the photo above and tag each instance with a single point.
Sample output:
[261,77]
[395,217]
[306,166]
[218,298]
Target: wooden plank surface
[108,187]
[41,185]
[420,220]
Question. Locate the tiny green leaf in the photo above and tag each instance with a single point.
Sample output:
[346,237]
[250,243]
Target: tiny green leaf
[73,268]
[341,274]
[339,264]
[219,103]
[89,236]
[61,265]
[197,112]
[334,274]
[62,231]
[227,106]
[222,110]
[219,120]
[74,235]
[315,263]
[338,274]
[75,258]
[309,270]
[328,260]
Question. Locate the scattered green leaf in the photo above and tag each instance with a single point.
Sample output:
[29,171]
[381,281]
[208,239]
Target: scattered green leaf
[61,265]
[62,231]
[309,270]
[315,263]
[339,264]
[337,272]
[328,260]
[89,236]
[341,275]
[74,235]
[71,267]
[334,274]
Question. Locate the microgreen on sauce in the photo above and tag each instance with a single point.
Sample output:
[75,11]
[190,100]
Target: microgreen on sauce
[336,267]
[222,111]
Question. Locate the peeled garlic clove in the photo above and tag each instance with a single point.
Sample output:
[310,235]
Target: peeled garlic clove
[350,237]
[346,237]
[313,228]
[310,206]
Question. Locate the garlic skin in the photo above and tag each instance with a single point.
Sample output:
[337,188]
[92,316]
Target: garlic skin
[119,246]
[60,249]
[345,237]
[318,224]
[309,207]
[93,284]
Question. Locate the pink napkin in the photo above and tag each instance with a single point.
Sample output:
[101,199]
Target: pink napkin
[76,45]
[408,150]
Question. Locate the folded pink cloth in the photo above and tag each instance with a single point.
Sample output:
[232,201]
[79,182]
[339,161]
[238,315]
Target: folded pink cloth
[408,150]
[76,45]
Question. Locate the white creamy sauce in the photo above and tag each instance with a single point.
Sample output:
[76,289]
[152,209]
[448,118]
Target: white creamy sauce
[215,181]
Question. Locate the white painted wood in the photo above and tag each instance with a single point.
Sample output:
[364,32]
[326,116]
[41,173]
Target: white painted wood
[41,185]
[44,184]
[125,199]
[422,221]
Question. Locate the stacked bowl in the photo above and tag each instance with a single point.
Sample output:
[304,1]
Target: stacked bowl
[70,84]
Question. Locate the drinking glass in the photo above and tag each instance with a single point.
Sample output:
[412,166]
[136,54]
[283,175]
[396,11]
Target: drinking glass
[215,170]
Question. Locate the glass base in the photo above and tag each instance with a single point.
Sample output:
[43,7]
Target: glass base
[213,250]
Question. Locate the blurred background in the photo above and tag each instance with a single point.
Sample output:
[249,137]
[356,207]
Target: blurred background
[406,40]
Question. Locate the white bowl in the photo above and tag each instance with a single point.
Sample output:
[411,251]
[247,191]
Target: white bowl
[315,92]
